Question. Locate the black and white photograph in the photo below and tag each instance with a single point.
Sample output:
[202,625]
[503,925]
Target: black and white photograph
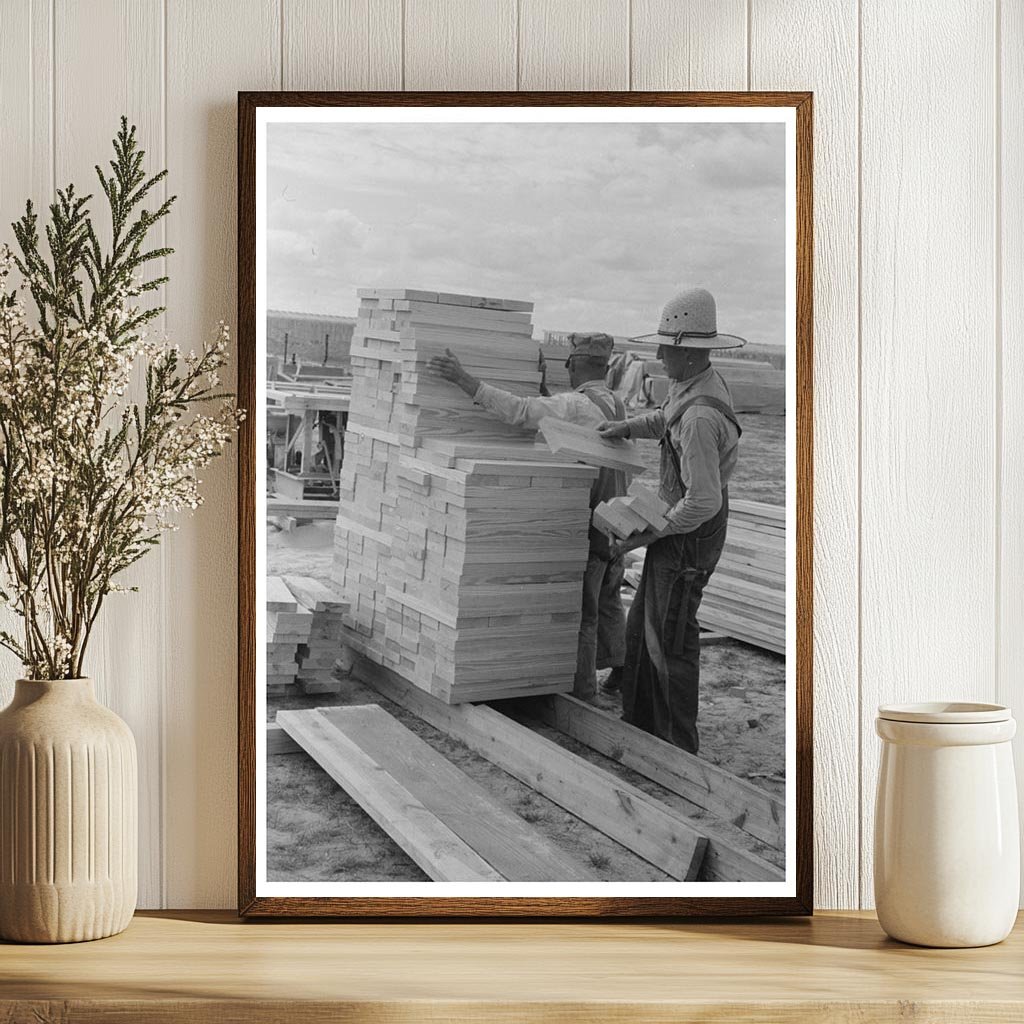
[525,516]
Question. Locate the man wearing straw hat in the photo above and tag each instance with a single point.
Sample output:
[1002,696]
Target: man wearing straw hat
[602,625]
[699,435]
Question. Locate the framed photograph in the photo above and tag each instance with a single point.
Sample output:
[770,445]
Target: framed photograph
[525,504]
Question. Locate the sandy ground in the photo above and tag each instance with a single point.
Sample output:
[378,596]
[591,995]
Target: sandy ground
[316,832]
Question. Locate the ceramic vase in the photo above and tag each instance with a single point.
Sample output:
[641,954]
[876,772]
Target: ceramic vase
[947,847]
[68,815]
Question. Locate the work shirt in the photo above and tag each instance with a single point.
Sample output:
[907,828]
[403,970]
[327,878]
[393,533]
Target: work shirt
[707,444]
[518,411]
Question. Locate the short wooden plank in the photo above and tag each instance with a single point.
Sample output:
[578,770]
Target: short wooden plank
[585,445]
[314,595]
[279,597]
[429,842]
[730,798]
[302,508]
[623,812]
[506,842]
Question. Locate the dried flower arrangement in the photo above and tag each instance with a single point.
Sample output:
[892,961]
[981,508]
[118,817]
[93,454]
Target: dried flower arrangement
[89,477]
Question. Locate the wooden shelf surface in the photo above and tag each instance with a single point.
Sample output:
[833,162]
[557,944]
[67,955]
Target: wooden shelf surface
[209,966]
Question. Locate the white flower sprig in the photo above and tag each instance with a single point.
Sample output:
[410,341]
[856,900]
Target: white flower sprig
[90,478]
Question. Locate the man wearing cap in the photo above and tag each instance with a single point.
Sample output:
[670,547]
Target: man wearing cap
[699,435]
[602,625]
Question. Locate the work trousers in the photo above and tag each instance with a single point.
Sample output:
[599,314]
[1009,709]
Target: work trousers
[661,675]
[602,625]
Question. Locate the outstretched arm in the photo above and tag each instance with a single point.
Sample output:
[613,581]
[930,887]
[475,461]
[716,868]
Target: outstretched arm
[449,367]
[515,410]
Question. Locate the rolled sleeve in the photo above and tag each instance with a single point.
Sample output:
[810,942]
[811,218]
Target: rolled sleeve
[699,469]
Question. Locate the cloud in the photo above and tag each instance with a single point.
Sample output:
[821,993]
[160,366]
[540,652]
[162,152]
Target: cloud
[595,223]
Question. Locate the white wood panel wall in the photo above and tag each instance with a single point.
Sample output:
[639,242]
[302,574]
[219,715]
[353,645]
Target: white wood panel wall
[919,297]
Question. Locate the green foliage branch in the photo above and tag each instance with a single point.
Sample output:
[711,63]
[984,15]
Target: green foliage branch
[103,430]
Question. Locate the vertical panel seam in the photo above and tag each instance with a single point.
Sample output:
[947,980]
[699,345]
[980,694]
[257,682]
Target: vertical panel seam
[750,20]
[162,696]
[997,232]
[402,40]
[53,98]
[280,42]
[860,458]
[629,45]
[519,29]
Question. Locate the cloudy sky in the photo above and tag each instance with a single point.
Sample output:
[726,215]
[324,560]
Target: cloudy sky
[597,224]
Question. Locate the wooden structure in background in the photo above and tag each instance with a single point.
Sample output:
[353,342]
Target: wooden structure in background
[306,423]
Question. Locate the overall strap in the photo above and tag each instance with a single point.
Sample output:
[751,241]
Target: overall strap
[711,402]
[618,410]
[672,487]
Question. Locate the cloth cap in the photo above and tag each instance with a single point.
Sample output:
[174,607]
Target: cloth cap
[596,345]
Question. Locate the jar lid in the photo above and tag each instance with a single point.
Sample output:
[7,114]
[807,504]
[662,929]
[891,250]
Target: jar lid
[945,713]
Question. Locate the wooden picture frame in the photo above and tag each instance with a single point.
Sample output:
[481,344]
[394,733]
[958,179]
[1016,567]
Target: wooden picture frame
[799,863]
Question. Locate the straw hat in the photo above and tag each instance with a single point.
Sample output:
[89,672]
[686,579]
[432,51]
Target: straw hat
[690,320]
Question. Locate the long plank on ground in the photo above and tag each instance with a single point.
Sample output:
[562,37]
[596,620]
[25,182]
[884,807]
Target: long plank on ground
[428,841]
[623,812]
[585,444]
[730,798]
[512,847]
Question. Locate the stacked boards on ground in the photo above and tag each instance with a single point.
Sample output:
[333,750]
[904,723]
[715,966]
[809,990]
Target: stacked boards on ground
[304,625]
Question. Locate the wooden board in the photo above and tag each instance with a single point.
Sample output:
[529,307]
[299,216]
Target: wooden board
[279,597]
[512,847]
[584,444]
[302,508]
[621,811]
[730,798]
[429,842]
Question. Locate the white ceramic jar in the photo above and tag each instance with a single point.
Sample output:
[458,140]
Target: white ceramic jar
[947,847]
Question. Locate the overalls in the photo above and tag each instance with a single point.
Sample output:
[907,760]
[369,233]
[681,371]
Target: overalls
[603,621]
[661,678]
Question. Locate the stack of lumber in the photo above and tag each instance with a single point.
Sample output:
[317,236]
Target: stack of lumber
[637,512]
[288,625]
[459,543]
[746,595]
[320,651]
[304,626]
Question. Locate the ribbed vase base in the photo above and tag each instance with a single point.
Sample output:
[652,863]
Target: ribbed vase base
[67,913]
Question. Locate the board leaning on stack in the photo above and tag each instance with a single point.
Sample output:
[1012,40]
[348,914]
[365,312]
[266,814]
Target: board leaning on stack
[746,595]
[460,545]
